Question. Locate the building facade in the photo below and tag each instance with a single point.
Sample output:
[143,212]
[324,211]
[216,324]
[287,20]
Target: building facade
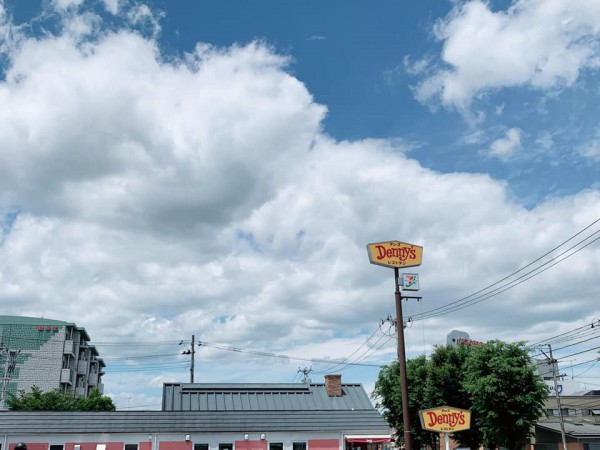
[49,354]
[221,416]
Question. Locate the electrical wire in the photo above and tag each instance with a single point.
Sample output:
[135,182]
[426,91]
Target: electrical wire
[475,298]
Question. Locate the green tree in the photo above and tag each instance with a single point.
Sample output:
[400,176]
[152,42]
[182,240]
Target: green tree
[495,381]
[36,400]
[507,395]
[389,397]
[98,402]
[445,386]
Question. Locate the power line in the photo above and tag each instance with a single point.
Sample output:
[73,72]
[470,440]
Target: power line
[280,356]
[482,295]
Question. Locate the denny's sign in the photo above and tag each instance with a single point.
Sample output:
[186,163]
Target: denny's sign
[445,419]
[395,254]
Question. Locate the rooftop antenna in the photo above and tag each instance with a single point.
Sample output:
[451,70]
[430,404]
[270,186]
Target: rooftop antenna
[305,373]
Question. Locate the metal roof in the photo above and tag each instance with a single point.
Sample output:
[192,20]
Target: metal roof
[262,397]
[23,320]
[52,422]
[575,429]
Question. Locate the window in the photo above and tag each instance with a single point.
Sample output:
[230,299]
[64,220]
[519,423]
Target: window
[199,447]
[299,446]
[131,447]
[275,445]
[56,447]
[226,446]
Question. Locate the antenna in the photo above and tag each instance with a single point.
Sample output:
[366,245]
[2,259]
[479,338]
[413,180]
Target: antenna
[305,373]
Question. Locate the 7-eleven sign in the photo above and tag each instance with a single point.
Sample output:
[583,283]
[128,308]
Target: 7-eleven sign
[410,282]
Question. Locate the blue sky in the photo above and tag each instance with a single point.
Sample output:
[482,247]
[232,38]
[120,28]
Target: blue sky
[217,168]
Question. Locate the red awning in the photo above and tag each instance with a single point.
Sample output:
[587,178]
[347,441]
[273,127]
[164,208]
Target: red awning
[368,439]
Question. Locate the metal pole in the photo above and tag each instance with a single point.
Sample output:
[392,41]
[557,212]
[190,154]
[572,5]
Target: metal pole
[192,368]
[562,420]
[402,363]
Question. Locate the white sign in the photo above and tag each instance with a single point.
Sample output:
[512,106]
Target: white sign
[410,281]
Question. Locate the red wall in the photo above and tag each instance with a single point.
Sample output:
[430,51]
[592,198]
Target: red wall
[174,445]
[30,446]
[92,445]
[324,444]
[251,445]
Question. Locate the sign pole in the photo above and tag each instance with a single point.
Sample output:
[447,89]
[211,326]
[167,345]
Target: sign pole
[397,254]
[402,363]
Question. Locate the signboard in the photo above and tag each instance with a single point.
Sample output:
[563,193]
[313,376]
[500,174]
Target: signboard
[395,254]
[410,281]
[445,419]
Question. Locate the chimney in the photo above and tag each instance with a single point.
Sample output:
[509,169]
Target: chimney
[333,385]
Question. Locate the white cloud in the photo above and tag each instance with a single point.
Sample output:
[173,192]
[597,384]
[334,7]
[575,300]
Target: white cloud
[65,4]
[112,6]
[155,200]
[540,44]
[591,149]
[505,147]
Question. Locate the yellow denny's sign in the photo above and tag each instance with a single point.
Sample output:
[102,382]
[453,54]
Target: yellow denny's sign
[395,254]
[445,419]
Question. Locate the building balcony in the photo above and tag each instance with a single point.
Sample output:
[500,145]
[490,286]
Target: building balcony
[66,376]
[93,379]
[82,366]
[69,348]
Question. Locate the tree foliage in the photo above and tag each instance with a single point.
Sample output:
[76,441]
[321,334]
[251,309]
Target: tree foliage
[495,381]
[506,393]
[446,386]
[389,394]
[36,400]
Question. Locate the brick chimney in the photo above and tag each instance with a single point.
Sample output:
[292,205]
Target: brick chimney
[333,385]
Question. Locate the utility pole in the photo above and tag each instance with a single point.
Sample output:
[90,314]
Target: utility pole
[402,363]
[191,352]
[395,254]
[560,411]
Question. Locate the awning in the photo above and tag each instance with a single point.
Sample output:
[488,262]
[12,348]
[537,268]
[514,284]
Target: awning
[367,438]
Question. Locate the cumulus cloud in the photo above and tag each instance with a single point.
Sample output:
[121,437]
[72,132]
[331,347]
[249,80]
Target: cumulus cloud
[538,44]
[506,147]
[148,200]
[591,149]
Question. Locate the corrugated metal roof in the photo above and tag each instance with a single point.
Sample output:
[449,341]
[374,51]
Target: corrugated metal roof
[261,397]
[573,429]
[48,422]
[23,320]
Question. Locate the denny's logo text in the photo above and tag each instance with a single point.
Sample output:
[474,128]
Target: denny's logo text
[395,254]
[445,419]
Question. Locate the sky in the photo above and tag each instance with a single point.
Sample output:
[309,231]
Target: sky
[217,169]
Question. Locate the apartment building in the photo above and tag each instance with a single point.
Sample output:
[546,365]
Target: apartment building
[49,354]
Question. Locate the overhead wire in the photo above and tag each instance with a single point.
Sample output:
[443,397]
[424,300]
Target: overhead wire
[485,293]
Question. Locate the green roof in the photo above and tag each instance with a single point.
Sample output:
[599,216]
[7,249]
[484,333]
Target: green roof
[22,320]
